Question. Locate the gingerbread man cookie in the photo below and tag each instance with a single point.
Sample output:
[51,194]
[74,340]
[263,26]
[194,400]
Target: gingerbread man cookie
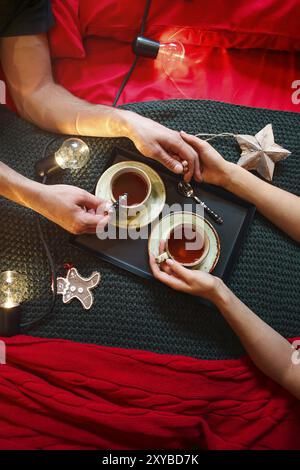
[75,286]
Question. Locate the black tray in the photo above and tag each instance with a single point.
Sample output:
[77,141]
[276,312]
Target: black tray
[132,255]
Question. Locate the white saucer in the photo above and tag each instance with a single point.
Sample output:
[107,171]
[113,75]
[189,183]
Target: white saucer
[163,228]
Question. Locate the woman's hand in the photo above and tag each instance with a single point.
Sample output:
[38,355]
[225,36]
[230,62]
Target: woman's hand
[186,280]
[164,145]
[72,208]
[214,168]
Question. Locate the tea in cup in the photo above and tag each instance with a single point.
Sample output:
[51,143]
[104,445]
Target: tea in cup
[187,244]
[133,182]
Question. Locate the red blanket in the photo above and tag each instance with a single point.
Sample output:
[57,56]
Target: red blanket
[55,394]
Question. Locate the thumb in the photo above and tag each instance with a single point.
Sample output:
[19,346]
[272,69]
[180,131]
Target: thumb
[169,161]
[92,220]
[179,271]
[195,142]
[89,201]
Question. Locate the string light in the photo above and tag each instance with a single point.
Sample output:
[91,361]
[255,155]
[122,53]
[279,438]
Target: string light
[73,154]
[169,53]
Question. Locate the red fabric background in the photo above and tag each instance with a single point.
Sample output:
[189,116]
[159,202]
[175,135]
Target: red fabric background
[271,24]
[251,78]
[94,69]
[56,394]
[212,69]
[65,37]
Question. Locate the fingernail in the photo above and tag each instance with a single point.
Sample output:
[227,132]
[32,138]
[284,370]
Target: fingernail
[169,261]
[178,168]
[182,132]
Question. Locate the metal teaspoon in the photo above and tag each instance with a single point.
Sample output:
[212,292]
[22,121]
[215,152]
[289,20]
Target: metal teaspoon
[185,189]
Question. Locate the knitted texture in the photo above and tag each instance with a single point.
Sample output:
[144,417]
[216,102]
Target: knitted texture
[129,311]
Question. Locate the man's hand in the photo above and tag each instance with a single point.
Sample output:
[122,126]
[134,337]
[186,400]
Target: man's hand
[164,145]
[186,280]
[72,208]
[214,169]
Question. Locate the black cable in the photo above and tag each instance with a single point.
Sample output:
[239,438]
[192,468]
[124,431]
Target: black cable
[50,260]
[145,16]
[51,141]
[125,81]
[133,65]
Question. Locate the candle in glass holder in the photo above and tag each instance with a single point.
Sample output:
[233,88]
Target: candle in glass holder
[12,290]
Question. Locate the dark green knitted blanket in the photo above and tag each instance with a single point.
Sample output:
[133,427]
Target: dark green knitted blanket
[131,312]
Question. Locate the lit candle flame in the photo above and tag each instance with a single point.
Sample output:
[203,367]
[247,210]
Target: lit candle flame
[9,303]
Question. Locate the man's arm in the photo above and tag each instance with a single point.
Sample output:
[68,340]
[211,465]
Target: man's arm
[27,67]
[279,206]
[72,208]
[17,188]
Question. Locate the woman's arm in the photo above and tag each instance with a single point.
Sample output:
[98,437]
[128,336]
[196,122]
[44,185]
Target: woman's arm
[271,353]
[27,67]
[279,206]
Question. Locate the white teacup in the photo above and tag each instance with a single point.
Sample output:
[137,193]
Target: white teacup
[128,187]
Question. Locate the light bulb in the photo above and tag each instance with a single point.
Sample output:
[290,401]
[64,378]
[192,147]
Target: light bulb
[12,289]
[73,154]
[170,53]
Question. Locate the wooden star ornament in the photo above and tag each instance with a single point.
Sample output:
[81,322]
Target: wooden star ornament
[75,286]
[260,152]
